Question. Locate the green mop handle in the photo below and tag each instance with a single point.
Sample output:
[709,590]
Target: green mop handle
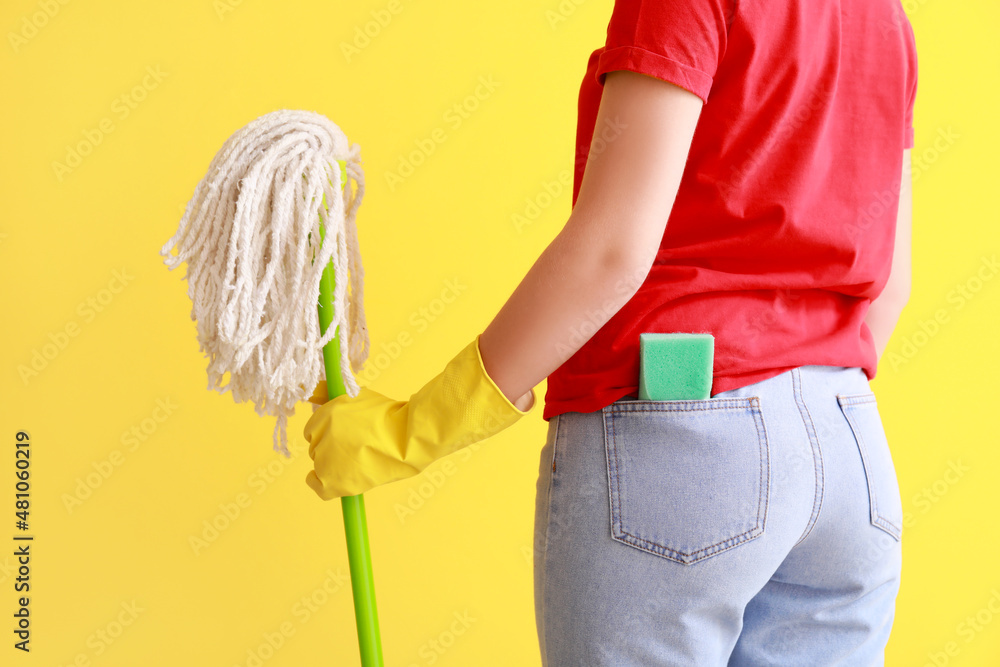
[355,523]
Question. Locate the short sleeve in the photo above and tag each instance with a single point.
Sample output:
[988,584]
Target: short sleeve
[911,85]
[680,41]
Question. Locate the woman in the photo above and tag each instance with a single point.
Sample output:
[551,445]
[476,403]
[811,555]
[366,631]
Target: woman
[743,172]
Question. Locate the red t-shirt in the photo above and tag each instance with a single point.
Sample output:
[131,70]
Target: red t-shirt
[782,231]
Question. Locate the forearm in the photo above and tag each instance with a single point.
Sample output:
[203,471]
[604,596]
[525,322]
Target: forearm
[883,315]
[573,288]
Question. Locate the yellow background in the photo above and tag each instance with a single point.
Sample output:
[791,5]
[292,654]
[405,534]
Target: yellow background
[466,550]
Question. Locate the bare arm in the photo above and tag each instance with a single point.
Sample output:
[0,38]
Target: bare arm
[884,312]
[599,259]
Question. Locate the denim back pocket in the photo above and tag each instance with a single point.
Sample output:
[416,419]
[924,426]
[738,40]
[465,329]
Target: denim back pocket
[862,414]
[688,479]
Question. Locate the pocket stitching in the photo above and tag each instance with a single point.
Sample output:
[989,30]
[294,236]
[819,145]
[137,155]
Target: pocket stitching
[748,402]
[877,519]
[619,534]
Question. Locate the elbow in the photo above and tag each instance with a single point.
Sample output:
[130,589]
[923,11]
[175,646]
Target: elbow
[627,270]
[612,256]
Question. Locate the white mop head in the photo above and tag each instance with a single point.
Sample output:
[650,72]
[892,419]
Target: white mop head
[250,238]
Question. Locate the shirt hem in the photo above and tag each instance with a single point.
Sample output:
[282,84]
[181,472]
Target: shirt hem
[597,402]
[642,61]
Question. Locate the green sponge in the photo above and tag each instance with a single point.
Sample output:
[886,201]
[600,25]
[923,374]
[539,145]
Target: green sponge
[675,366]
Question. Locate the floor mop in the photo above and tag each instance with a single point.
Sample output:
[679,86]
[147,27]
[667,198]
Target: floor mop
[270,241]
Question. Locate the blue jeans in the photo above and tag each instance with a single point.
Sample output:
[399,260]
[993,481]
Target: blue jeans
[761,526]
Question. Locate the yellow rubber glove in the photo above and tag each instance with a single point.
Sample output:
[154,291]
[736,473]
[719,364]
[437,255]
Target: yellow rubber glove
[362,442]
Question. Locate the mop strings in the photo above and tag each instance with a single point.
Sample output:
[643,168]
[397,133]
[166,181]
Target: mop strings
[250,238]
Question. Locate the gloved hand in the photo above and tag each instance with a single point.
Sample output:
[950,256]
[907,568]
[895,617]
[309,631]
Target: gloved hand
[362,442]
